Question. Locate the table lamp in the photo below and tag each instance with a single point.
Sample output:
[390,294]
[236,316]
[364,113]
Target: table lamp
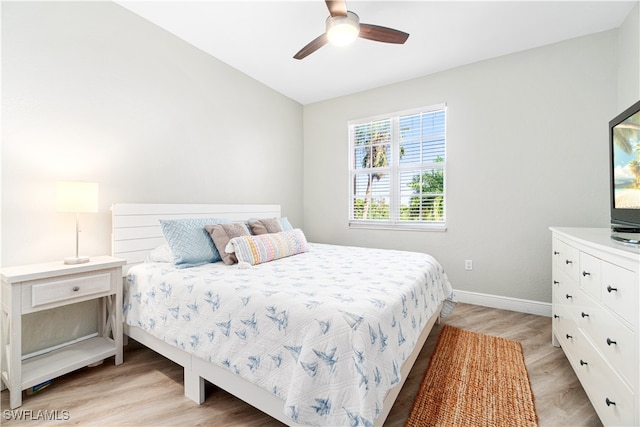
[77,197]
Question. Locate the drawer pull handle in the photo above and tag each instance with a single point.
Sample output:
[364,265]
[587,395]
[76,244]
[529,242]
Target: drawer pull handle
[610,341]
[568,262]
[555,282]
[585,273]
[569,337]
[555,316]
[610,289]
[583,314]
[610,402]
[568,296]
[556,253]
[582,362]
[76,288]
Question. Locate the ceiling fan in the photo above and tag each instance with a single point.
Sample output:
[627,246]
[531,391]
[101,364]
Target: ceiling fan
[343,26]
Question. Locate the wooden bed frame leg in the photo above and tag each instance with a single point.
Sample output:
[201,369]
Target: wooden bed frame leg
[193,386]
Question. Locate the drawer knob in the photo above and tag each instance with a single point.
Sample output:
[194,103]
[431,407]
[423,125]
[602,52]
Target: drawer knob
[583,314]
[76,288]
[568,262]
[568,296]
[555,316]
[585,273]
[569,337]
[582,362]
[555,282]
[609,402]
[610,341]
[610,289]
[556,253]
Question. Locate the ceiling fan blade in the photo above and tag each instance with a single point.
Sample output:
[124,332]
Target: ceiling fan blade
[382,34]
[336,8]
[311,47]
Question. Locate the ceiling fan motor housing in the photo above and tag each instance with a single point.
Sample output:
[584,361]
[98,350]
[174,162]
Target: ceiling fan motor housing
[342,30]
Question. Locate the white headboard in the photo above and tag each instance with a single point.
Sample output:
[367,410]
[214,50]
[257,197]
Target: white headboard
[136,229]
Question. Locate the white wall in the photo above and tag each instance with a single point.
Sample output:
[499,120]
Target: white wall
[91,91]
[527,149]
[629,60]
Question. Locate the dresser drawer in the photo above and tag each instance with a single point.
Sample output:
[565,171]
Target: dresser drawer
[567,333]
[613,339]
[562,324]
[566,258]
[575,301]
[619,291]
[589,273]
[50,292]
[610,396]
[561,287]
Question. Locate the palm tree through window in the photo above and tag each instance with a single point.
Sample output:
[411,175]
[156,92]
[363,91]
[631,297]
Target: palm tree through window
[397,169]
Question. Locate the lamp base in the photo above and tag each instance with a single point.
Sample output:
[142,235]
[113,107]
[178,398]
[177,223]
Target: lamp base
[76,260]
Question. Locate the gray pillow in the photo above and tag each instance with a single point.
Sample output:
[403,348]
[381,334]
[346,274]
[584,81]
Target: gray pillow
[222,233]
[265,226]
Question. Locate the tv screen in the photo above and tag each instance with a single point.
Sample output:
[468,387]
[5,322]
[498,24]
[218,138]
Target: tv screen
[625,169]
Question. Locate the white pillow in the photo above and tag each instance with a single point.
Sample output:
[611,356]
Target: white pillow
[160,254]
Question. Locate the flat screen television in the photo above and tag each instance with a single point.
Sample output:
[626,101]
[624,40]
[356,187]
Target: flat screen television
[624,143]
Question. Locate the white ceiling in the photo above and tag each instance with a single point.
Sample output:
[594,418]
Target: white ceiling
[260,38]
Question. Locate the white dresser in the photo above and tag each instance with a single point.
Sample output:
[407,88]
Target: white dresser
[595,318]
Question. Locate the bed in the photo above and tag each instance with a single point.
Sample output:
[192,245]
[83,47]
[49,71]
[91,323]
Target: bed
[326,336]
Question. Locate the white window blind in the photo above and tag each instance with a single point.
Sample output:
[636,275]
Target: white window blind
[397,169]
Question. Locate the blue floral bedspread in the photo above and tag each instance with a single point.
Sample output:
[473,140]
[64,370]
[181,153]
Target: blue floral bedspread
[326,331]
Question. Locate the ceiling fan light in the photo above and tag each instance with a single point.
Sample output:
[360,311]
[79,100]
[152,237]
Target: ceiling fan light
[342,30]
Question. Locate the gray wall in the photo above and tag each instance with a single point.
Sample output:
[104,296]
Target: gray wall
[91,91]
[527,149]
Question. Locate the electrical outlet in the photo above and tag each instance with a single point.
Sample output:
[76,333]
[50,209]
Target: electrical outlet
[468,264]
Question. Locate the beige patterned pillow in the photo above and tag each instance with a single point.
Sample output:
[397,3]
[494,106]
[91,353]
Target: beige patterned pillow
[222,233]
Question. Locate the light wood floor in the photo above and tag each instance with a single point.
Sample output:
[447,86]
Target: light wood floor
[147,389]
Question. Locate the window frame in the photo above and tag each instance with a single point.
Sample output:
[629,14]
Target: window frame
[394,169]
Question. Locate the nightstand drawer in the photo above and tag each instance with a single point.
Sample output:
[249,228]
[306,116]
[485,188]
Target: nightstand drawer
[60,290]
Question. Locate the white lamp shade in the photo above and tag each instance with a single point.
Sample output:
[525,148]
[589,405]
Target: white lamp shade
[77,197]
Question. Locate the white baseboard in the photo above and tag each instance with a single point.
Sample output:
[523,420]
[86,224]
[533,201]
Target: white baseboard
[506,303]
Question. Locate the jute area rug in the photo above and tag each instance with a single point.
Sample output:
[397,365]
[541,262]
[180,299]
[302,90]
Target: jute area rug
[474,380]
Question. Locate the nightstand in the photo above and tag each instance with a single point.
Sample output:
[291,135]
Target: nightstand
[37,287]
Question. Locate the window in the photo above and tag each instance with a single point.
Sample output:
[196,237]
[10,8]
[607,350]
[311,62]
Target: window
[397,170]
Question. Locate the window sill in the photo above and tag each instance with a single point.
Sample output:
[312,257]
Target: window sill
[374,225]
